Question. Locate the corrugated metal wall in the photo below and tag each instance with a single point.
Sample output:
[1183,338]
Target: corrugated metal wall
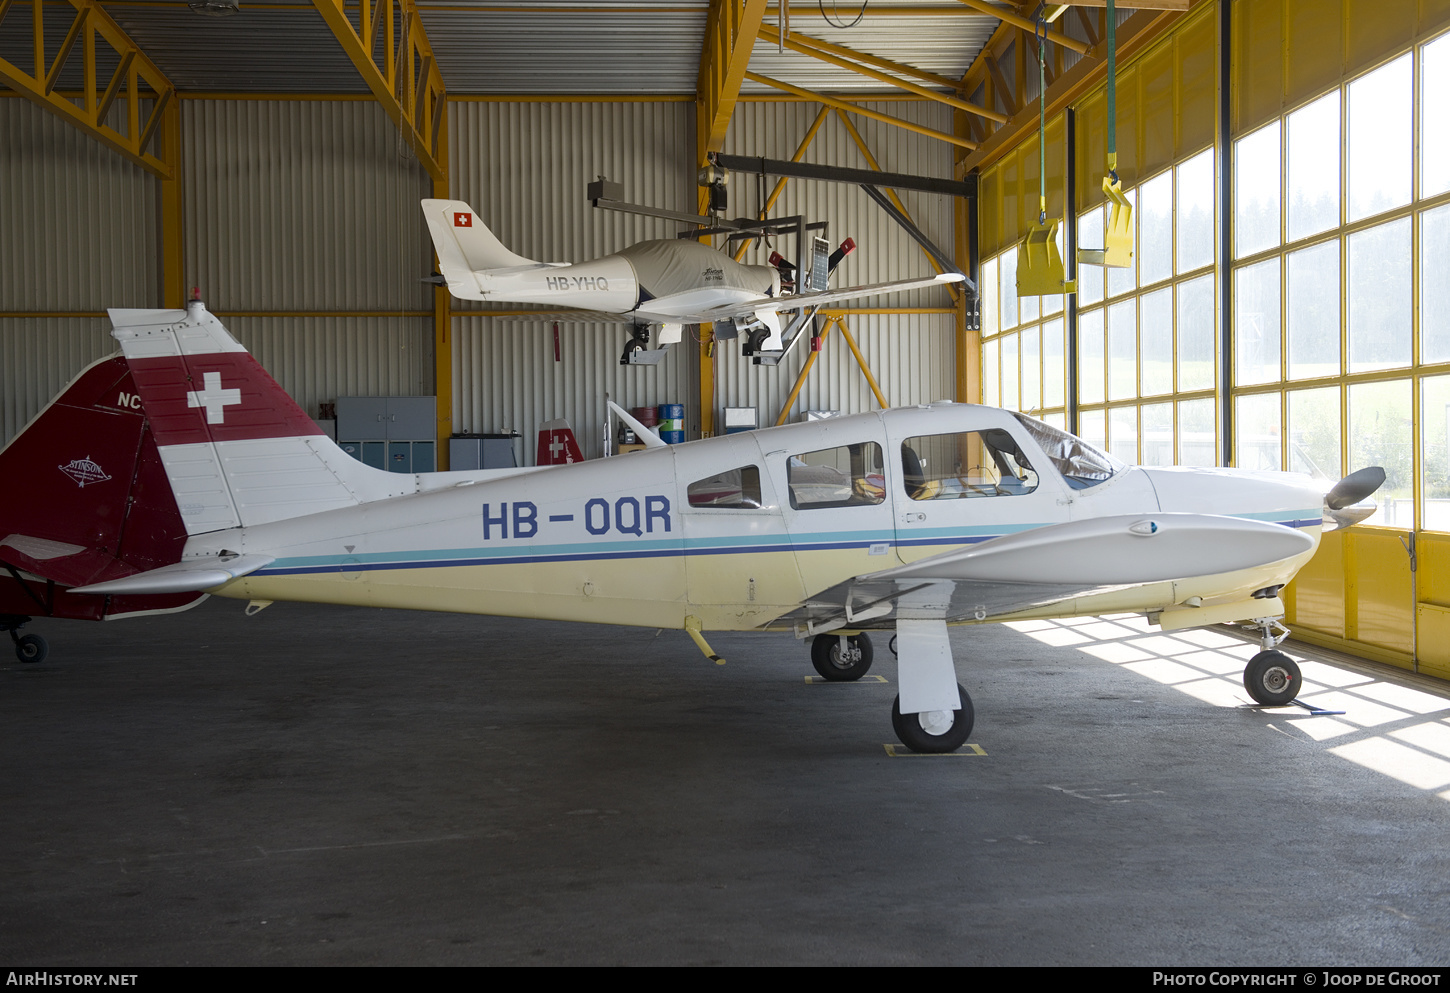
[77,234]
[302,205]
[524,167]
[302,228]
[911,355]
[303,231]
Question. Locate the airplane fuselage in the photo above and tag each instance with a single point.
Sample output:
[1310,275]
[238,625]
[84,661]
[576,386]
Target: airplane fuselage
[656,282]
[743,531]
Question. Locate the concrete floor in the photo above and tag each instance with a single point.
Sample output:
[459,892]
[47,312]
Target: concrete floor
[322,785]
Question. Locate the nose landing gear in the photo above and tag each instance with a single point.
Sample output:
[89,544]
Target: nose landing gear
[1271,677]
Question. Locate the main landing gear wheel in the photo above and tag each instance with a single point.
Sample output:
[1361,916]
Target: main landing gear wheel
[1272,678]
[836,664]
[31,648]
[936,731]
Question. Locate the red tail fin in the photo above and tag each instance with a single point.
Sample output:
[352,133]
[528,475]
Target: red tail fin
[86,499]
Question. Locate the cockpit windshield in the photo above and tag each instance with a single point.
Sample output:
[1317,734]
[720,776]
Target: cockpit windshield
[1081,464]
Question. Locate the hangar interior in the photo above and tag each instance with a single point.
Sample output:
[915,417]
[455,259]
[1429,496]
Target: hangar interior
[1285,161]
[1289,192]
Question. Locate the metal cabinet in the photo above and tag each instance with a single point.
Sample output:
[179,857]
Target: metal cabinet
[392,433]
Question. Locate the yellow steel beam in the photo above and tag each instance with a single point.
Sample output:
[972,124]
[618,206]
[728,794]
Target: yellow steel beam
[403,77]
[800,379]
[861,361]
[1025,24]
[729,36]
[442,322]
[805,94]
[794,43]
[897,67]
[1132,36]
[134,73]
[896,200]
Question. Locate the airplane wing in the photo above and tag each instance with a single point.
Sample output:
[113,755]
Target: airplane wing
[818,298]
[1049,565]
[555,316]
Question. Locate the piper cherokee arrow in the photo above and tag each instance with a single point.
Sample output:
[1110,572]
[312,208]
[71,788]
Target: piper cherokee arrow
[183,469]
[666,283]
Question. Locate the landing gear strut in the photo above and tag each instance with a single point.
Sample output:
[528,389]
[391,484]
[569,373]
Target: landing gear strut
[29,647]
[1271,677]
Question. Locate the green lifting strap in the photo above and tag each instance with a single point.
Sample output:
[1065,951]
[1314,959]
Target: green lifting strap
[1118,241]
[1040,269]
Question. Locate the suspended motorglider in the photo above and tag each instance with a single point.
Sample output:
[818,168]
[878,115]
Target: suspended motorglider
[183,469]
[661,285]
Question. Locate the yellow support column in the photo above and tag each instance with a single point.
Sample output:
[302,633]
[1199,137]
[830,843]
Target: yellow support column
[443,321]
[173,274]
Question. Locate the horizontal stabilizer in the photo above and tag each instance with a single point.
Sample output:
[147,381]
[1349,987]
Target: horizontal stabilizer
[188,576]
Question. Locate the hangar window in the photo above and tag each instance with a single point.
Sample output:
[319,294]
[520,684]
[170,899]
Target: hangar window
[964,465]
[735,488]
[849,476]
[1342,226]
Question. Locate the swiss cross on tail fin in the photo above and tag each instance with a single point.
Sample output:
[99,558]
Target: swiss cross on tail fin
[462,219]
[238,451]
[199,385]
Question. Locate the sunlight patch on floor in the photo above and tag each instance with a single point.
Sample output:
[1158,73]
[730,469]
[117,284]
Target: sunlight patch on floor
[1207,664]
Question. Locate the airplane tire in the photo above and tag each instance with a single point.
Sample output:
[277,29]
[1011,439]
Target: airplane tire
[31,648]
[826,657]
[929,733]
[1272,678]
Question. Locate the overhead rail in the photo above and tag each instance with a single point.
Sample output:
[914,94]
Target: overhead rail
[135,80]
[390,49]
[839,174]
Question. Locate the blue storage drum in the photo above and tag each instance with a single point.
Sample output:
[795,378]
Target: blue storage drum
[672,423]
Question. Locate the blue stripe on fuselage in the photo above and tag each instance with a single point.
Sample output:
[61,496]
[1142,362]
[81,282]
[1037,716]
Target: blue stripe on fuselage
[661,548]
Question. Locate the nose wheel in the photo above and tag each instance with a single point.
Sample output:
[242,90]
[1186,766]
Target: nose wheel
[1271,677]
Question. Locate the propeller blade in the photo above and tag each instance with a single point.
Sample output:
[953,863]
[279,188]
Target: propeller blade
[1354,487]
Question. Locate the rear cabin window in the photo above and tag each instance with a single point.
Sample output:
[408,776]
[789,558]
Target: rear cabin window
[964,465]
[737,488]
[849,476]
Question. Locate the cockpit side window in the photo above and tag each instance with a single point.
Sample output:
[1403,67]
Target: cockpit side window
[849,476]
[964,465]
[734,488]
[1081,464]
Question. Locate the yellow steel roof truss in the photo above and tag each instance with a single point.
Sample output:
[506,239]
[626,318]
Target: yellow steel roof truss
[136,78]
[399,69]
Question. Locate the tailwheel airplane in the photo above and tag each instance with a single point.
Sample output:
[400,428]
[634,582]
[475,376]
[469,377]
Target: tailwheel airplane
[656,285]
[183,469]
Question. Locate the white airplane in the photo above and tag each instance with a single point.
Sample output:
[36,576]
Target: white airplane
[909,520]
[667,283]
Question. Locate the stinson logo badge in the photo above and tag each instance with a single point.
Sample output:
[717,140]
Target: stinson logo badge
[713,275]
[84,472]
